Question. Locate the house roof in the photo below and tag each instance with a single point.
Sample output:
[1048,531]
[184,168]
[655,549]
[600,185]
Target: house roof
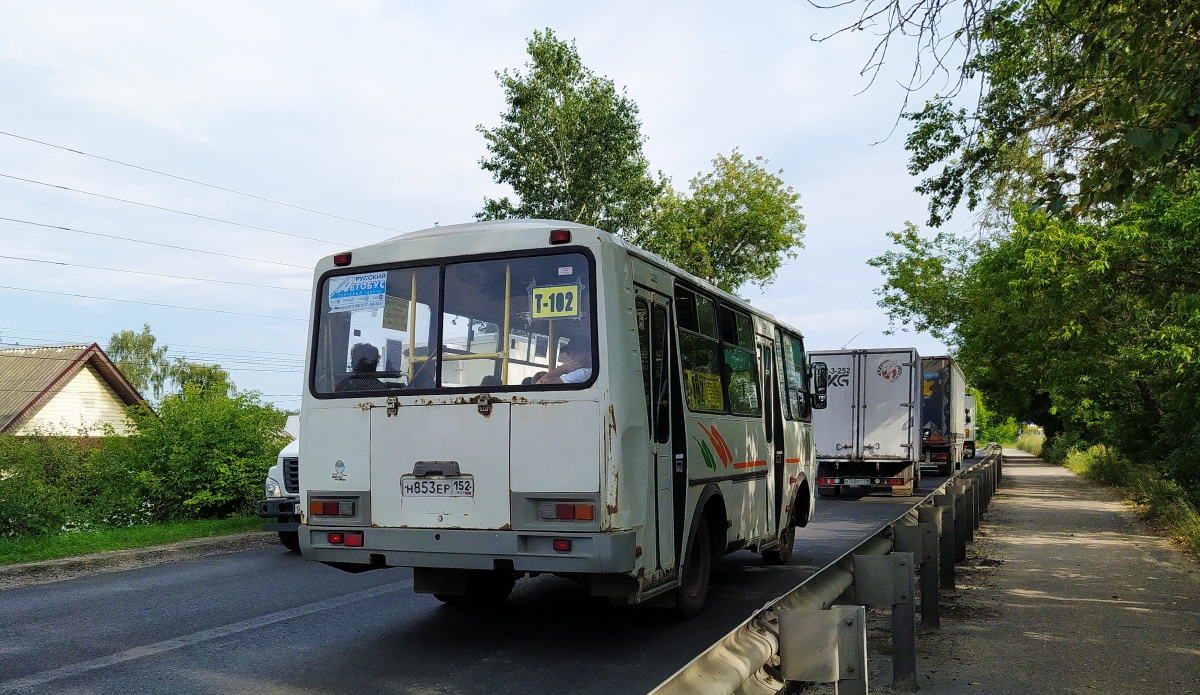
[31,376]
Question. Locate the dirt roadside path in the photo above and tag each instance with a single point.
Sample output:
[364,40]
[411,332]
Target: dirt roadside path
[28,574]
[1065,592]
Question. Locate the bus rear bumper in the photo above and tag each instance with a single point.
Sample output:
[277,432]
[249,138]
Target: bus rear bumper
[589,553]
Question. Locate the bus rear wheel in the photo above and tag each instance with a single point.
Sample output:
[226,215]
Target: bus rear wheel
[484,588]
[783,554]
[693,590]
[290,540]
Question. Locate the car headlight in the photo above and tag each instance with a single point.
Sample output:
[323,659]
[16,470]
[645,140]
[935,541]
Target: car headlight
[273,489]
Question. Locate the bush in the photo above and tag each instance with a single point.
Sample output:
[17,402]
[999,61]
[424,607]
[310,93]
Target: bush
[1163,501]
[1031,442]
[204,456]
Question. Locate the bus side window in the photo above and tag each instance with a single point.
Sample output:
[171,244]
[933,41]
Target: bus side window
[643,325]
[660,330]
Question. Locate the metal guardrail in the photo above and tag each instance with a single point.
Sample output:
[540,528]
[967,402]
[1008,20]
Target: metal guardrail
[817,631]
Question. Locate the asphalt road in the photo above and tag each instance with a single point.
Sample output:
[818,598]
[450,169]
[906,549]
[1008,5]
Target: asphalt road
[266,621]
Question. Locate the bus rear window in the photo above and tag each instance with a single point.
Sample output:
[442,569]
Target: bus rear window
[507,322]
[520,321]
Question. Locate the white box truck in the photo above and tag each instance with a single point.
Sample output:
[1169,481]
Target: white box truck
[943,414]
[867,437]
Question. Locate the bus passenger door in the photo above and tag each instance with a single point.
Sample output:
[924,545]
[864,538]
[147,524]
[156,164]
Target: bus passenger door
[654,339]
[773,428]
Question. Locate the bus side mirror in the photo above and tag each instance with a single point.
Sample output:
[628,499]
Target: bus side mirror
[820,379]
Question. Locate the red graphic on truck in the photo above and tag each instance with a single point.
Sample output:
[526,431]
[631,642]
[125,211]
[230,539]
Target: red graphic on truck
[890,370]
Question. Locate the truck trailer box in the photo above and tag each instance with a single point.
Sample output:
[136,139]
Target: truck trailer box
[943,414]
[867,438]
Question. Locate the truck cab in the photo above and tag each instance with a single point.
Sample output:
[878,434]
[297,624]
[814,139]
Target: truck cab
[282,486]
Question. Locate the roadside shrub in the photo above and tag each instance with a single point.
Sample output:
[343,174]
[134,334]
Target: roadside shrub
[1163,501]
[205,455]
[29,507]
[202,456]
[1031,442]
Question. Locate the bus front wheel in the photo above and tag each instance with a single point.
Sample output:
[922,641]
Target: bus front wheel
[693,590]
[783,554]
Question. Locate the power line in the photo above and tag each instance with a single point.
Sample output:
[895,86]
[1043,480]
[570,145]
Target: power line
[169,306]
[155,243]
[94,338]
[178,212]
[201,183]
[160,275]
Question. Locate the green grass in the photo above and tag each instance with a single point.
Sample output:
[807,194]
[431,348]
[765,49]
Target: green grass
[1031,442]
[35,548]
[1162,502]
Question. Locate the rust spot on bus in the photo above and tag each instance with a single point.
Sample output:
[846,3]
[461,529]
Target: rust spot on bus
[506,527]
[612,418]
[366,406]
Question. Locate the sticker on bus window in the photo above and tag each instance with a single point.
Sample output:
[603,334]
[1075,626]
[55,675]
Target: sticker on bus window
[555,302]
[357,292]
[395,313]
[566,270]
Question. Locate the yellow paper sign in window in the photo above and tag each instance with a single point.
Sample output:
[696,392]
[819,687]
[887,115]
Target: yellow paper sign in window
[555,302]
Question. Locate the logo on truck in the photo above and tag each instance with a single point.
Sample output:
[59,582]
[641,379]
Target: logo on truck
[839,377]
[890,370]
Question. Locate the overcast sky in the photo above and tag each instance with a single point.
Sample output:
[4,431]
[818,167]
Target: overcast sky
[368,110]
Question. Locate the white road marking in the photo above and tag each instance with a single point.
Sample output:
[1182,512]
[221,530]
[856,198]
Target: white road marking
[37,679]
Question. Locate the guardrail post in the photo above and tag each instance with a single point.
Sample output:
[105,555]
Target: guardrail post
[930,519]
[881,580]
[972,495]
[825,647]
[961,521]
[946,539]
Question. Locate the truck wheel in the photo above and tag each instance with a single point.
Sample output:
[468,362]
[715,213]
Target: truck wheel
[693,590]
[783,555]
[290,540]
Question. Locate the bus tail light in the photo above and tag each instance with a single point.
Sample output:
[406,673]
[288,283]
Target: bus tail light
[336,538]
[331,507]
[826,481]
[562,545]
[560,236]
[566,511]
[341,259]
[354,539]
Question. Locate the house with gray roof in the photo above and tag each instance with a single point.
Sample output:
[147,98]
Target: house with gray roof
[70,390]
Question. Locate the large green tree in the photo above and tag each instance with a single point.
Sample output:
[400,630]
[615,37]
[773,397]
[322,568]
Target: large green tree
[737,225]
[139,357]
[1081,105]
[1090,328]
[569,145]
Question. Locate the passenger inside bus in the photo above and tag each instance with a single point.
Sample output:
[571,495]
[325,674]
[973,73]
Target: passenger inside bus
[576,366]
[365,358]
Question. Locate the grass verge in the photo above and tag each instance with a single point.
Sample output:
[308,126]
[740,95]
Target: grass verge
[37,548]
[1163,502]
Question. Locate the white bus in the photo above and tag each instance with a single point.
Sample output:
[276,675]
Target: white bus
[493,400]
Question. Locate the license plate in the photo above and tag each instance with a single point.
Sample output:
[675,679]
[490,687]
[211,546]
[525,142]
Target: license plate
[462,486]
[857,481]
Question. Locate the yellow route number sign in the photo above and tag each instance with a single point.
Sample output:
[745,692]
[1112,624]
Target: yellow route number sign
[555,302]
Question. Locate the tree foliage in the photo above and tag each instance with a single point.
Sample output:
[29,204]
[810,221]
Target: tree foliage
[1089,328]
[140,359]
[737,225]
[1082,105]
[569,145]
